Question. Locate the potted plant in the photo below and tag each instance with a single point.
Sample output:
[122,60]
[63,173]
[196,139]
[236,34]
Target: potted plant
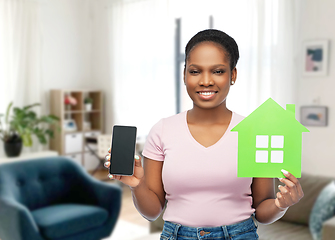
[88,103]
[17,130]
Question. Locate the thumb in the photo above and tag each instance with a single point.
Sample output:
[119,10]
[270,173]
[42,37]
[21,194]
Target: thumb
[138,162]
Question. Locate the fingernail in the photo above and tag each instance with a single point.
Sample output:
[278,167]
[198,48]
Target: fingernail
[279,186]
[110,176]
[107,157]
[284,171]
[137,157]
[106,164]
[280,179]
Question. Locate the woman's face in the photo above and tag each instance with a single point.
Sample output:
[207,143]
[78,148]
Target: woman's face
[207,75]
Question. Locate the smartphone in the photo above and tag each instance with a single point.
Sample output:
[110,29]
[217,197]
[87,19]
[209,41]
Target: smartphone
[123,150]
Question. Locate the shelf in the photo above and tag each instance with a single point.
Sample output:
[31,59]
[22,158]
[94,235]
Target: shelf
[86,122]
[73,111]
[92,111]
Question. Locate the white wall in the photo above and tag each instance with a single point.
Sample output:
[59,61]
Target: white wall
[75,45]
[319,145]
[101,61]
[66,33]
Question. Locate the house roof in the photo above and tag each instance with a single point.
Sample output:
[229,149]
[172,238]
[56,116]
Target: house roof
[271,116]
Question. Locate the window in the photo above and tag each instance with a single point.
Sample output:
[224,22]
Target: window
[275,152]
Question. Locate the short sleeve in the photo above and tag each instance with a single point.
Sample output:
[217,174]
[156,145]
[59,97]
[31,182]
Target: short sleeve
[153,147]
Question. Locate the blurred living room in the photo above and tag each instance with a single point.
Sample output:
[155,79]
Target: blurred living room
[72,69]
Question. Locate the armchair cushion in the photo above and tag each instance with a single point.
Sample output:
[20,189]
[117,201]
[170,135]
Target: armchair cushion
[65,219]
[323,209]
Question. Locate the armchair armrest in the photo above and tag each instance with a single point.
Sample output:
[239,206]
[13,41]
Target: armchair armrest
[15,216]
[328,229]
[108,195]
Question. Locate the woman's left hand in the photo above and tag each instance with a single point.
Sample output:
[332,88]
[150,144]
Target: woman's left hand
[289,194]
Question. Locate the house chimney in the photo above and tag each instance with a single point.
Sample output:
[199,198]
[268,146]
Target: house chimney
[291,108]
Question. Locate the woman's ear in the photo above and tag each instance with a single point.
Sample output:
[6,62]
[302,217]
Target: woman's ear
[233,76]
[184,76]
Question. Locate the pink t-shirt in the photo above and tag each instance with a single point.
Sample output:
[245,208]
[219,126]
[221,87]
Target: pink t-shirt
[201,184]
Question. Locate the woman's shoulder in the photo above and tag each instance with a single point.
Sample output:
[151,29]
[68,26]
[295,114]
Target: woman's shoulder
[173,119]
[169,121]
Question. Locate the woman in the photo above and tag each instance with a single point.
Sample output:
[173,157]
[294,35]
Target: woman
[190,159]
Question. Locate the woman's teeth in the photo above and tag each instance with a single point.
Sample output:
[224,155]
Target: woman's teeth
[206,93]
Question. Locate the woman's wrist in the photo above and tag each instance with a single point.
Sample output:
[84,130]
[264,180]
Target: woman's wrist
[140,183]
[281,209]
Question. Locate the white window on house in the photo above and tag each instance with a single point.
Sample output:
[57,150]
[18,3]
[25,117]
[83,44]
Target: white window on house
[272,149]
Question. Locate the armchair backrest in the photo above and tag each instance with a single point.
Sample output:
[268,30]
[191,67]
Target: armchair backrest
[42,182]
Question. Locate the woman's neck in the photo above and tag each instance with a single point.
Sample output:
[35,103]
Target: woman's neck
[218,115]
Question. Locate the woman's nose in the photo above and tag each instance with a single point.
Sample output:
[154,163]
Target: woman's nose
[206,81]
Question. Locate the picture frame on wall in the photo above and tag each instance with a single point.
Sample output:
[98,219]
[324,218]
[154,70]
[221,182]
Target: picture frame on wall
[315,58]
[314,116]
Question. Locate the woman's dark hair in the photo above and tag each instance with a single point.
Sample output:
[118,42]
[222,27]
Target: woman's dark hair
[212,35]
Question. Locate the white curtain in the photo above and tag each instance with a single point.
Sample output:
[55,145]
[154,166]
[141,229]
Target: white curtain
[268,63]
[143,53]
[20,53]
[142,56]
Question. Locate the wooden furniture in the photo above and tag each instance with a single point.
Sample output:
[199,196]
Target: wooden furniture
[77,123]
[29,156]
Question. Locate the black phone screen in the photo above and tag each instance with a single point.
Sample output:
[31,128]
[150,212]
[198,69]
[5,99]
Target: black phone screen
[123,150]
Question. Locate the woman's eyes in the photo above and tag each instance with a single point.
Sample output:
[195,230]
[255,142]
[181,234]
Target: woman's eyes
[219,71]
[215,72]
[193,72]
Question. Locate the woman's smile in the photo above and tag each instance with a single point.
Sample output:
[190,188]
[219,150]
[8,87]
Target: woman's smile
[207,95]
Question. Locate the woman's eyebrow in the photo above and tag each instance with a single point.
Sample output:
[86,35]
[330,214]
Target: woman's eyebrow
[216,65]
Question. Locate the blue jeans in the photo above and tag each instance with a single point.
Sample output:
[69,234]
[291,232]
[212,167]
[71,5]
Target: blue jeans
[244,230]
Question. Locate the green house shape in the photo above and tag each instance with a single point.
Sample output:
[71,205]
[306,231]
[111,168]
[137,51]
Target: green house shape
[269,139]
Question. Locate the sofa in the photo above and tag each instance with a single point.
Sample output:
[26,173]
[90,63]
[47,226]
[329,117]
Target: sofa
[295,223]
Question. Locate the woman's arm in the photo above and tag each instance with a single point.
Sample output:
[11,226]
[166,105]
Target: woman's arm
[269,208]
[149,195]
[146,186]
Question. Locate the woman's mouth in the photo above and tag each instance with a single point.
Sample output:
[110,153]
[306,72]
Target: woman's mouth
[207,95]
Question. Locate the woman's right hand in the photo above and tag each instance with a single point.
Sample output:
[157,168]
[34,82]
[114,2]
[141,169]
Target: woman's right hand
[133,180]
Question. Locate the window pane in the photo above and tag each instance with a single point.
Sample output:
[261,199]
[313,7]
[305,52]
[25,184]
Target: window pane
[262,141]
[262,156]
[277,141]
[277,156]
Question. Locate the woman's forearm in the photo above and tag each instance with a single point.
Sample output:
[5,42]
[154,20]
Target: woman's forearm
[267,212]
[146,201]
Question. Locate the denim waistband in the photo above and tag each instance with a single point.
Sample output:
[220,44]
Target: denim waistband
[224,231]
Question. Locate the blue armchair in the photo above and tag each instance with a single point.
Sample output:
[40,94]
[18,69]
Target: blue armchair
[54,198]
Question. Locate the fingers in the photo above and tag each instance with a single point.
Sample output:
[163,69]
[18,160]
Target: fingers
[138,162]
[291,193]
[107,164]
[291,181]
[285,197]
[117,177]
[280,201]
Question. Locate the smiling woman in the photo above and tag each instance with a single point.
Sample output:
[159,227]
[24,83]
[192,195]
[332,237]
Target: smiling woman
[190,159]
